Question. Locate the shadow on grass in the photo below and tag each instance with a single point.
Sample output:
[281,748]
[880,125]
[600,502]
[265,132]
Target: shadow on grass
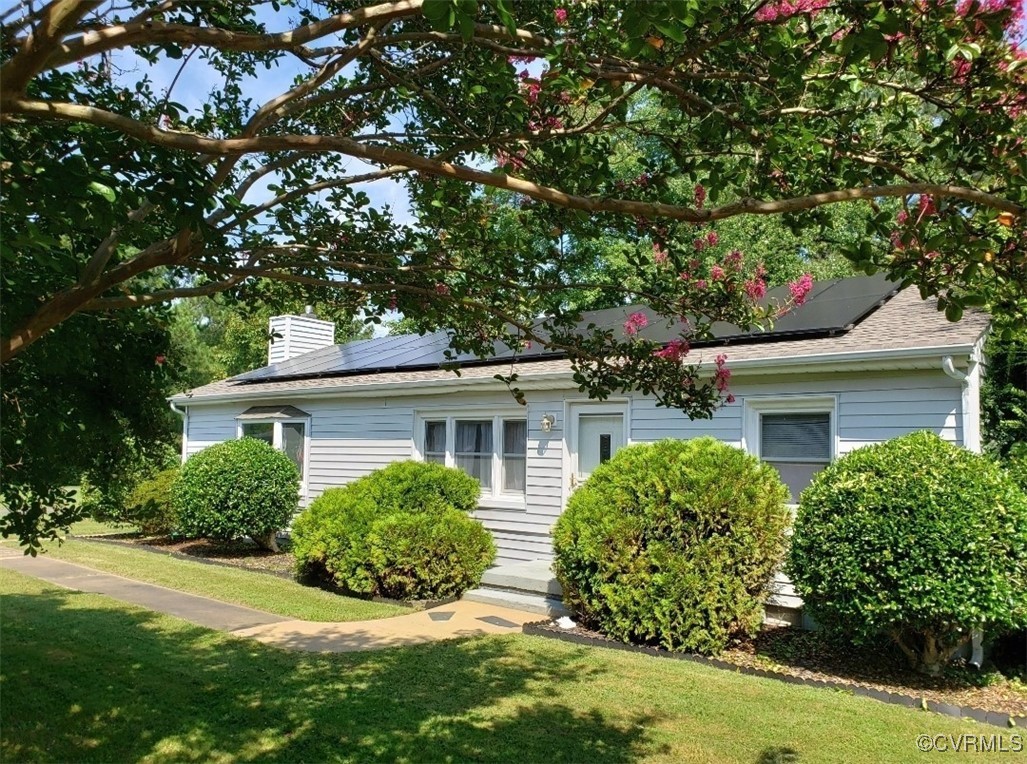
[87,680]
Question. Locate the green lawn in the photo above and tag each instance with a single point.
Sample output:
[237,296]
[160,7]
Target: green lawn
[87,678]
[91,527]
[243,587]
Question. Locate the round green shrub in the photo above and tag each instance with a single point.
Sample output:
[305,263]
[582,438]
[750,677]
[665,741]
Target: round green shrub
[673,543]
[237,488]
[916,539]
[149,506]
[402,532]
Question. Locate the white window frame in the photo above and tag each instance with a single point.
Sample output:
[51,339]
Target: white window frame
[754,407]
[279,441]
[495,498]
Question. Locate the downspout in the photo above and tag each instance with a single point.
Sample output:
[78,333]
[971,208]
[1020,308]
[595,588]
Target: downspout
[971,441]
[184,413]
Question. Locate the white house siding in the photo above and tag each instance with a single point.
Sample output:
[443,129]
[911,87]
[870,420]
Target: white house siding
[350,437]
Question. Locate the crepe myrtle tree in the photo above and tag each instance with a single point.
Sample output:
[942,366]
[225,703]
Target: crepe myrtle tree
[767,108]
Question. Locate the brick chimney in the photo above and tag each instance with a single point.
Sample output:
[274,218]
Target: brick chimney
[292,336]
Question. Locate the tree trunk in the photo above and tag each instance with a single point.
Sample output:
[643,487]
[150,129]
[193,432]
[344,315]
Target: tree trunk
[269,542]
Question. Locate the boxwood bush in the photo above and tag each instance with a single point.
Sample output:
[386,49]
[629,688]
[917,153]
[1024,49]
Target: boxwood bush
[916,539]
[1016,465]
[673,543]
[237,488]
[149,506]
[402,532]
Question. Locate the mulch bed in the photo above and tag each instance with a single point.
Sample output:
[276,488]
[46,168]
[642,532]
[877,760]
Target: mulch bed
[811,658]
[237,554]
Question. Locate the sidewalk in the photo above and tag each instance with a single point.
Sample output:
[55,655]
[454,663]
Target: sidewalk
[455,620]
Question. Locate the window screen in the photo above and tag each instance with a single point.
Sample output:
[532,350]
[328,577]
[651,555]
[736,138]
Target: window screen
[473,450]
[798,437]
[435,442]
[515,447]
[264,431]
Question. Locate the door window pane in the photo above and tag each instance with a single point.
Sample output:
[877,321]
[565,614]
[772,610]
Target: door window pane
[599,437]
[515,447]
[473,450]
[435,442]
[264,431]
[293,434]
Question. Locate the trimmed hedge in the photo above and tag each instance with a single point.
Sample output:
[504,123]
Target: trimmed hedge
[916,539]
[1016,465]
[400,532]
[673,544]
[150,507]
[237,488]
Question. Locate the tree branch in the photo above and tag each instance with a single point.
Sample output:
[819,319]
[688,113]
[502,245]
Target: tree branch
[389,156]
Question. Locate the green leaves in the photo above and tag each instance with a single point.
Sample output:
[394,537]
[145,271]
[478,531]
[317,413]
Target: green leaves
[103,190]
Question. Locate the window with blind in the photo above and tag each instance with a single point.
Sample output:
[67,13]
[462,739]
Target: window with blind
[798,445]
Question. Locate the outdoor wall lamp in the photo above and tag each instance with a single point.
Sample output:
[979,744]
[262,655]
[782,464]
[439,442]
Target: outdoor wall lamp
[548,420]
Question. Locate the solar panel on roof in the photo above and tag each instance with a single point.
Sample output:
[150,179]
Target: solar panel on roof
[832,307]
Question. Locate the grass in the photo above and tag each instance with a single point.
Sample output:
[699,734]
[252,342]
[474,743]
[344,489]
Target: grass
[242,587]
[91,527]
[86,678]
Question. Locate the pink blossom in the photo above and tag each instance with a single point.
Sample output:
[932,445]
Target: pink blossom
[902,218]
[730,398]
[442,289]
[532,91]
[801,288]
[720,360]
[925,207]
[756,289]
[635,323]
[701,284]
[159,359]
[659,254]
[734,259]
[700,195]
[560,14]
[721,377]
[699,244]
[712,239]
[674,351]
[717,272]
[785,9]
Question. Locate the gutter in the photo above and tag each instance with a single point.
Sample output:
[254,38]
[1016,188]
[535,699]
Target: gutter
[184,413]
[970,384]
[414,387]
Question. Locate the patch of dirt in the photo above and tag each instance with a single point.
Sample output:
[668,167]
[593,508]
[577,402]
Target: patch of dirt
[240,553]
[812,655]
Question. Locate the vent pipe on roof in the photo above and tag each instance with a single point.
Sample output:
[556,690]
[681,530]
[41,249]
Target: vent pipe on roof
[292,336]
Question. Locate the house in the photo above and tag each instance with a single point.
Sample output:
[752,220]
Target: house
[860,362]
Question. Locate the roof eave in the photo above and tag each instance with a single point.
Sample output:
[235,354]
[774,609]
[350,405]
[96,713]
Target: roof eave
[887,359]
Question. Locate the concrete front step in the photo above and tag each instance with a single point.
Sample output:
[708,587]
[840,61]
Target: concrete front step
[529,602]
[535,576]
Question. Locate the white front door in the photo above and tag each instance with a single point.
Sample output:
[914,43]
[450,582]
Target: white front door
[597,431]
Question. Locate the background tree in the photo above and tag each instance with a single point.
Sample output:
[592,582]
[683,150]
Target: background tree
[765,109]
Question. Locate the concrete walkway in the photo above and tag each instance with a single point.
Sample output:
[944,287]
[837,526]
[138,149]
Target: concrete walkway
[458,619]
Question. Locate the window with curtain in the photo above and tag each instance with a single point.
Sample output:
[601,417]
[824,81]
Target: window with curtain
[473,449]
[435,442]
[514,456]
[491,449]
[798,445]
